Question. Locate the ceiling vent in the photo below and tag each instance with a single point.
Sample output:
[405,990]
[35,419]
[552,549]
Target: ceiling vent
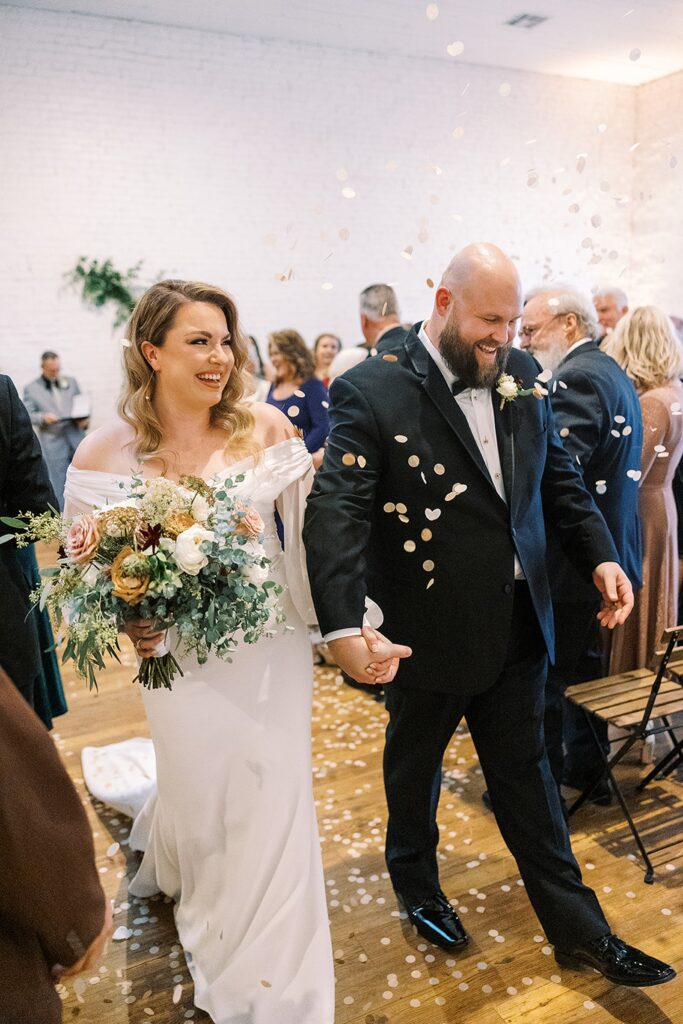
[526,20]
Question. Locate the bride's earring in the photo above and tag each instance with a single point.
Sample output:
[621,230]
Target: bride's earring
[150,387]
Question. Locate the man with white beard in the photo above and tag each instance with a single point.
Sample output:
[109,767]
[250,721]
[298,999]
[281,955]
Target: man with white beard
[597,415]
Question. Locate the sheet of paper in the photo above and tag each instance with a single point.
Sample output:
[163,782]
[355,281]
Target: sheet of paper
[80,407]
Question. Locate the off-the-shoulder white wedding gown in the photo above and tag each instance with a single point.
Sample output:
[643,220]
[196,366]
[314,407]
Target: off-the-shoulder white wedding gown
[229,830]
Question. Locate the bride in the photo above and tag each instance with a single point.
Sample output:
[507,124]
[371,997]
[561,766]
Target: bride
[229,831]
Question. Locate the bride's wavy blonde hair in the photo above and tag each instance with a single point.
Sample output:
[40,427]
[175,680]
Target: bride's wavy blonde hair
[150,321]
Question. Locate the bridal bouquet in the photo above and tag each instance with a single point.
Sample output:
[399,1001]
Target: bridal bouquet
[186,555]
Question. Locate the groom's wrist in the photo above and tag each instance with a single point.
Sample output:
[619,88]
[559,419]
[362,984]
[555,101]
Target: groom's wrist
[339,634]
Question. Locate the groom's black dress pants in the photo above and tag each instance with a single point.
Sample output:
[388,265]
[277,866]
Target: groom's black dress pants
[506,724]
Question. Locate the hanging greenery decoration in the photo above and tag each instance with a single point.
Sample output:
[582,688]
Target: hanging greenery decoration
[102,283]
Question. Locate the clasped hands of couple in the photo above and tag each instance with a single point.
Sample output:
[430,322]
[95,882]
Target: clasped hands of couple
[371,657]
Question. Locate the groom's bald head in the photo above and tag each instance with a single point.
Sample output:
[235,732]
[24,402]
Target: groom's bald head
[476,308]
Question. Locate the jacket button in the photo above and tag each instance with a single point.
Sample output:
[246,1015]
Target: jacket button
[507,589]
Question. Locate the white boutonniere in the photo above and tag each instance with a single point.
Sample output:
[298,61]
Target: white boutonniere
[509,388]
[62,383]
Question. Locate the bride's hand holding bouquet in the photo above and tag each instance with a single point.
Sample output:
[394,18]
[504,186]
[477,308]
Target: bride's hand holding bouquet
[187,554]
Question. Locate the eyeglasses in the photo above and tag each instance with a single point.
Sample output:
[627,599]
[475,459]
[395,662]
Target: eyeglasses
[528,332]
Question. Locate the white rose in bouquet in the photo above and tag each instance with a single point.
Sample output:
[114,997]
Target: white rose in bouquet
[200,508]
[254,574]
[187,549]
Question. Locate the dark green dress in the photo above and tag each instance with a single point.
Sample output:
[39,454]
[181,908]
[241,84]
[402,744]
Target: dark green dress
[48,699]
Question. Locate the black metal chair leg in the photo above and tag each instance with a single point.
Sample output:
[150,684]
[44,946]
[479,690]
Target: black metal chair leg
[649,872]
[673,756]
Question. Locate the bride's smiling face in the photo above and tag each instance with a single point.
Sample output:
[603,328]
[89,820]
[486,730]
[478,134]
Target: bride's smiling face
[196,359]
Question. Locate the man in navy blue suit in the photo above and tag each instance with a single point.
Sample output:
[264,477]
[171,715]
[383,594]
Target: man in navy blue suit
[440,468]
[597,414]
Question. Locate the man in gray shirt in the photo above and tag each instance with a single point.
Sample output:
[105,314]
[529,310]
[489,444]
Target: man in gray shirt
[50,402]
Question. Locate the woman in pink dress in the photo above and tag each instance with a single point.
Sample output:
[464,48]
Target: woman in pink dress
[646,346]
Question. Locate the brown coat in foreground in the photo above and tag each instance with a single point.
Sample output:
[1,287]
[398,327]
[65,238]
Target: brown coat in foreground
[51,903]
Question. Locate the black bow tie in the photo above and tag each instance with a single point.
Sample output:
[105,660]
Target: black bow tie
[457,386]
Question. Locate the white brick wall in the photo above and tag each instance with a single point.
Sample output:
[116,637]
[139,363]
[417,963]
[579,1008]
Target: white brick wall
[216,157]
[658,196]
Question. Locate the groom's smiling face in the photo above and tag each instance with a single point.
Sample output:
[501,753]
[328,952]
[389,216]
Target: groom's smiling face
[477,337]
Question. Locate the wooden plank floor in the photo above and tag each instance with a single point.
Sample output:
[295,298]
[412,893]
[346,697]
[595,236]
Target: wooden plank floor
[386,974]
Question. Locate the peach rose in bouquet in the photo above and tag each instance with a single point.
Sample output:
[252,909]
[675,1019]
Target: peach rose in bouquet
[82,539]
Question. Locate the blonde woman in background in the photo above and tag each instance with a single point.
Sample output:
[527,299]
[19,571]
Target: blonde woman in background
[325,348]
[646,346]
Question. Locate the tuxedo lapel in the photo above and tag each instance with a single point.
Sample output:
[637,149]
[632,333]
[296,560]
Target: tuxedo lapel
[439,393]
[505,436]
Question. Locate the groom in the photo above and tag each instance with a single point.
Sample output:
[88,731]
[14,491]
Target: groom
[431,501]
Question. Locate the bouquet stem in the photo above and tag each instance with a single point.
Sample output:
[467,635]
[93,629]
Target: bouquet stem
[155,673]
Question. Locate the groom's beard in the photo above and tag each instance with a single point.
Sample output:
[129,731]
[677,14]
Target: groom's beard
[461,358]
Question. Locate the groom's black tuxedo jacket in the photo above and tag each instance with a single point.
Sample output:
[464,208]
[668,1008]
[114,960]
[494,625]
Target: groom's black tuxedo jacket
[442,568]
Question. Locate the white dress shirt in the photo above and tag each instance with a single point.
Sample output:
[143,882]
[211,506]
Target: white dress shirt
[581,341]
[477,407]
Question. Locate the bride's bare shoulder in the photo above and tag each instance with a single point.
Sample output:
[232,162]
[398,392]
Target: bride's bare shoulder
[108,449]
[271,425]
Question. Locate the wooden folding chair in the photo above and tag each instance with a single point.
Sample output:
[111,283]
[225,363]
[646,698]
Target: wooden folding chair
[639,703]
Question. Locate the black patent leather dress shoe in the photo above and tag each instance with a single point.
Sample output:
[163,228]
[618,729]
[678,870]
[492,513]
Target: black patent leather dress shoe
[436,921]
[622,964]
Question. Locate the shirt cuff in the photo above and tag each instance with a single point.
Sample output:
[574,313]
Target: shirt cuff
[373,617]
[337,634]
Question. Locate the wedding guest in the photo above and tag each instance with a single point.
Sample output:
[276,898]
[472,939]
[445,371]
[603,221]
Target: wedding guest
[597,414]
[442,524]
[24,487]
[48,692]
[297,392]
[645,344]
[381,326]
[49,400]
[259,386]
[325,348]
[611,305]
[54,918]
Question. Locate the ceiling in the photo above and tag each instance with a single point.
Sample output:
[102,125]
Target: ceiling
[626,41]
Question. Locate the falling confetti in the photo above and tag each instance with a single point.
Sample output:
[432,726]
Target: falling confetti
[348,192]
[634,54]
[455,49]
[504,89]
[432,12]
[348,459]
